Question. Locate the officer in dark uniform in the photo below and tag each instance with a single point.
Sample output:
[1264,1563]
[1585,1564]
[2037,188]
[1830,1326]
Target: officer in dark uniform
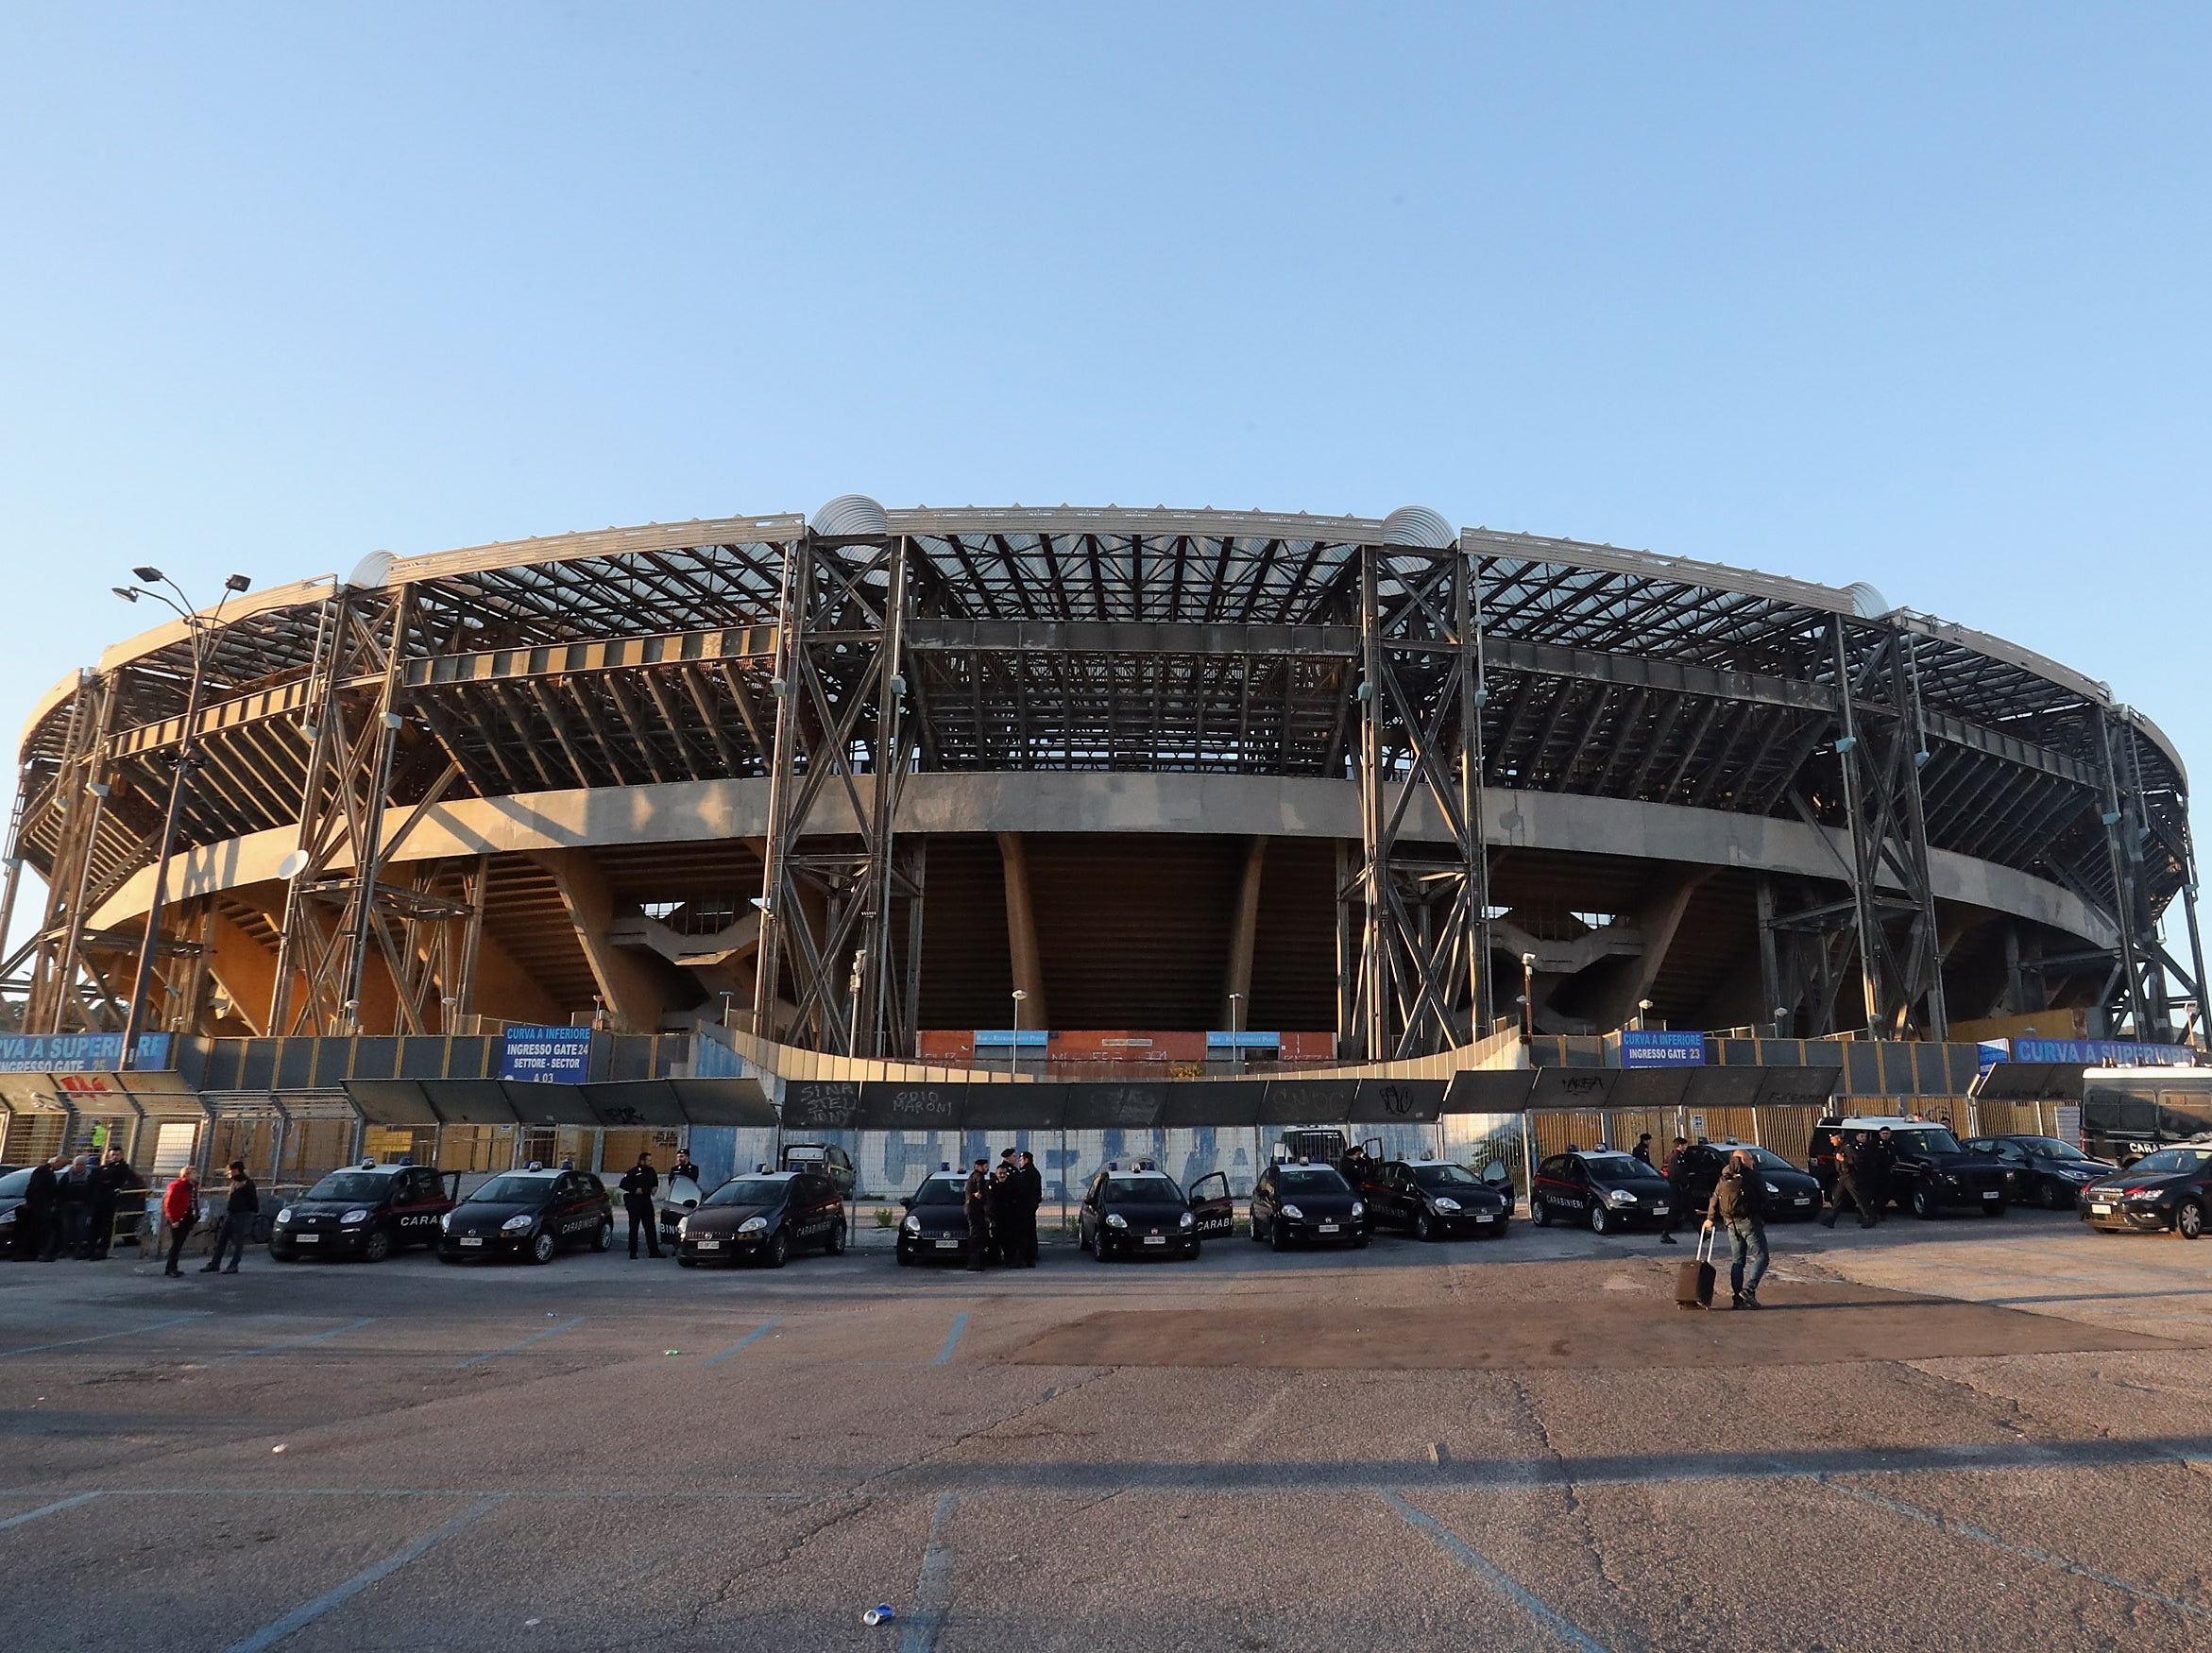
[976,1205]
[1031,1183]
[1005,1208]
[1877,1158]
[1846,1185]
[1677,1175]
[637,1185]
[36,1216]
[113,1175]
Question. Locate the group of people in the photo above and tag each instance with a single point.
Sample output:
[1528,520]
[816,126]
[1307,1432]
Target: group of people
[1001,1206]
[181,1210]
[639,1185]
[70,1204]
[1862,1169]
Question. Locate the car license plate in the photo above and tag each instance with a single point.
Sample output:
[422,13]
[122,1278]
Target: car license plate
[2102,1210]
[1658,1210]
[1486,1218]
[1989,1194]
[307,1239]
[1804,1199]
[1328,1227]
[1155,1239]
[706,1245]
[951,1245]
[471,1239]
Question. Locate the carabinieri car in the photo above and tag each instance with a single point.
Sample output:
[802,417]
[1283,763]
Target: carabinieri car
[368,1212]
[1791,1195]
[529,1214]
[936,1221]
[2042,1170]
[2168,1189]
[1608,1189]
[1143,1213]
[1305,1202]
[1433,1199]
[763,1217]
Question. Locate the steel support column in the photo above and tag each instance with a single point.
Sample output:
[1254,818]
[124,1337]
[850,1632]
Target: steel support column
[57,1001]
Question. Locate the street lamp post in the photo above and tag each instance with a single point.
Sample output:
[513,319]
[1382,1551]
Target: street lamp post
[853,1003]
[1235,1021]
[1642,1013]
[1013,1058]
[197,629]
[1528,996]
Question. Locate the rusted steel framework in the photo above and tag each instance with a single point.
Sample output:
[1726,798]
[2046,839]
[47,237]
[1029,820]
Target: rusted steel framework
[1117,640]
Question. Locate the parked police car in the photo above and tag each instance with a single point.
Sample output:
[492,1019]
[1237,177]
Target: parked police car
[1606,1188]
[763,1217]
[529,1214]
[2042,1170]
[1301,1204]
[1790,1194]
[16,1239]
[1145,1213]
[1928,1170]
[2168,1189]
[368,1212]
[936,1221]
[1433,1199]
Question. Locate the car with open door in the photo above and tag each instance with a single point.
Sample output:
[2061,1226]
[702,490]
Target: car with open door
[1435,1199]
[675,1199]
[1143,1212]
[367,1211]
[531,1213]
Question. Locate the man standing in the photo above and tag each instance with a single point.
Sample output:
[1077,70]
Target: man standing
[1677,1175]
[1031,1183]
[38,1210]
[1845,1185]
[181,1210]
[1643,1149]
[239,1211]
[1877,1158]
[113,1175]
[684,1167]
[639,1183]
[1736,1206]
[73,1206]
[976,1205]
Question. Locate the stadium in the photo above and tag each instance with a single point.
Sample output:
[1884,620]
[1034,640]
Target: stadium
[1122,784]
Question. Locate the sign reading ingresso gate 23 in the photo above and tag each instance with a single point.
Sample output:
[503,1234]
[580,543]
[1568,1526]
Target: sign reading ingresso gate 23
[1649,1047]
[545,1055]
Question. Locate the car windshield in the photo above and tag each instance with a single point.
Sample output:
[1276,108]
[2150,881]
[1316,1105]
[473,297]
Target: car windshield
[2172,1159]
[938,1191]
[350,1186]
[1765,1158]
[14,1182]
[747,1192]
[1925,1139]
[507,1190]
[1311,1180]
[1445,1176]
[1145,1189]
[2050,1147]
[1617,1164]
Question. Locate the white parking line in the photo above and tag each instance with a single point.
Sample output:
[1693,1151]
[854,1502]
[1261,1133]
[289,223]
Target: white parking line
[301,1616]
[48,1509]
[1490,1573]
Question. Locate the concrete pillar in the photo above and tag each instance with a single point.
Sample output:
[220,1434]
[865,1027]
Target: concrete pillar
[1658,918]
[1021,932]
[1243,933]
[637,993]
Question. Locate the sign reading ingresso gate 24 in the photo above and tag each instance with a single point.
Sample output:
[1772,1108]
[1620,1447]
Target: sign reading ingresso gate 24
[545,1055]
[1649,1047]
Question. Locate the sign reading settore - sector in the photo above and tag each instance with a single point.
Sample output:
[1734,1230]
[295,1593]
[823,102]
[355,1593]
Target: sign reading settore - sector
[1648,1047]
[545,1055]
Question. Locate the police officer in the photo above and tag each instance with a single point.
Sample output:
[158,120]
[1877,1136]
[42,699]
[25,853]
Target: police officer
[1845,1185]
[684,1167]
[976,1205]
[1677,1175]
[637,1185]
[1736,1206]
[113,1175]
[1031,1183]
[1877,1158]
[37,1214]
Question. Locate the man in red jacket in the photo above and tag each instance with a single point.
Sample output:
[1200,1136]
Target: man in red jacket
[181,1209]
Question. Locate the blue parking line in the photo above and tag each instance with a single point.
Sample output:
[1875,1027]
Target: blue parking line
[1490,1573]
[102,1338]
[49,1510]
[300,1617]
[294,1342]
[758,1331]
[952,1337]
[495,1354]
[932,1584]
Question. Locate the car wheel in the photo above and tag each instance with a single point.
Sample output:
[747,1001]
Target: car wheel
[779,1249]
[1601,1221]
[1275,1240]
[1098,1245]
[1258,1238]
[603,1238]
[1422,1228]
[2054,1197]
[543,1246]
[377,1247]
[1540,1214]
[2189,1220]
[1923,1206]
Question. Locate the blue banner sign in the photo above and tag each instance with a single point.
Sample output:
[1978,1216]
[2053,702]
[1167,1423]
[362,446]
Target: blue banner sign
[1031,1039]
[545,1055]
[77,1052]
[1244,1041]
[2103,1053]
[1649,1047]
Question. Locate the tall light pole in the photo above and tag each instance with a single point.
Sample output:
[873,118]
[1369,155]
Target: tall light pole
[853,1003]
[197,629]
[1013,1059]
[1528,996]
[1642,1013]
[1236,1044]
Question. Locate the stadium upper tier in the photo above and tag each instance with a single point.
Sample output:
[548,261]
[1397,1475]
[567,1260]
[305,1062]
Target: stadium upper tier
[620,688]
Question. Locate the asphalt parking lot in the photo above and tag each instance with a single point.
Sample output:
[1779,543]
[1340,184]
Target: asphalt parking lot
[1960,1433]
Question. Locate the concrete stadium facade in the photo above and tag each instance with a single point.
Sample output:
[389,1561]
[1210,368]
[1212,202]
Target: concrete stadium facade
[850,778]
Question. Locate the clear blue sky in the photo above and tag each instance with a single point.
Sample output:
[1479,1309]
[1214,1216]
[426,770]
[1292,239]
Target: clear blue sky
[1842,293]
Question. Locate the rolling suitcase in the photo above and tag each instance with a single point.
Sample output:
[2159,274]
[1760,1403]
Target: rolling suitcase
[1693,1275]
